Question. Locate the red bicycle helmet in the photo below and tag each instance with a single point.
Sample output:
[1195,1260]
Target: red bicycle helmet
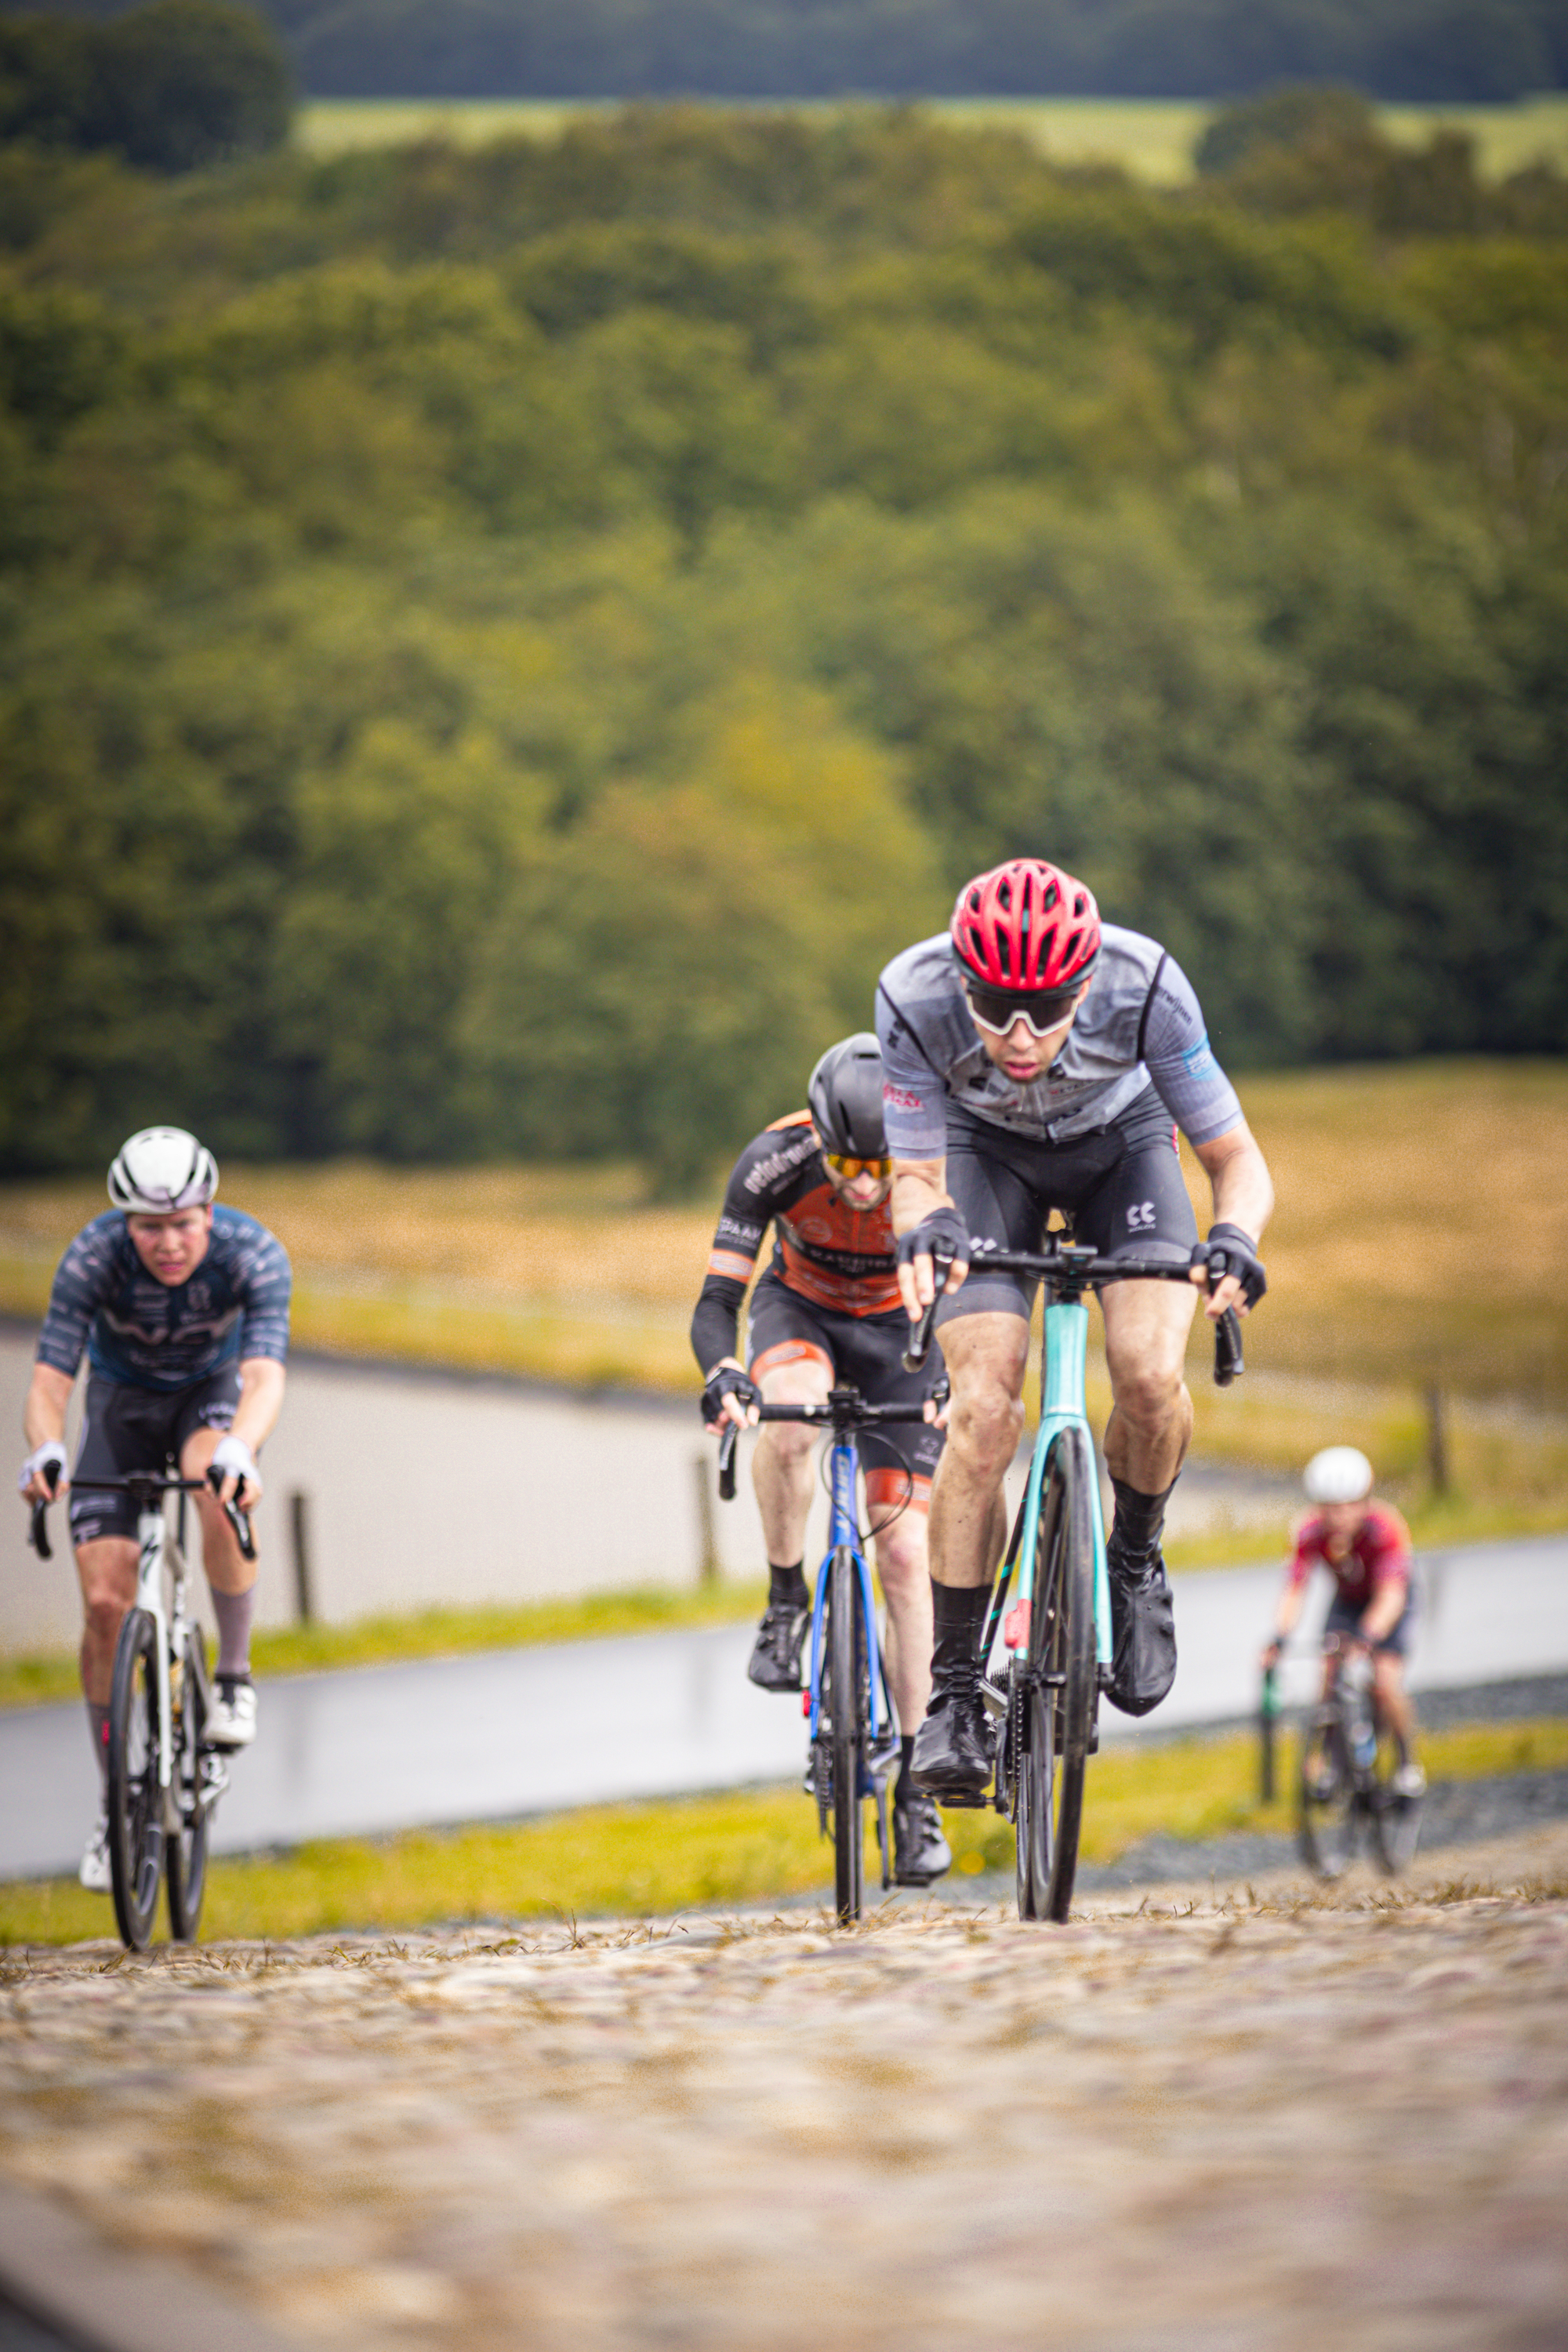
[1027,926]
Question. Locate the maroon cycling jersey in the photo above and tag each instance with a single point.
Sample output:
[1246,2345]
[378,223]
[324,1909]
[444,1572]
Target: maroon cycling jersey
[838,1256]
[1379,1554]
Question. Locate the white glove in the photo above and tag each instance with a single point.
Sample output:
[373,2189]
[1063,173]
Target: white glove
[49,1455]
[232,1458]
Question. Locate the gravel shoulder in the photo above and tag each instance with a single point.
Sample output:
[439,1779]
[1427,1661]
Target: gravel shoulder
[1205,2116]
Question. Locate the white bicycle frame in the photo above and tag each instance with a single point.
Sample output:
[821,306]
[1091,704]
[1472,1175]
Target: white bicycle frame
[162,1549]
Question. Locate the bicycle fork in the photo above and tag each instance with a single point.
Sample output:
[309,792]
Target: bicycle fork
[843,1533]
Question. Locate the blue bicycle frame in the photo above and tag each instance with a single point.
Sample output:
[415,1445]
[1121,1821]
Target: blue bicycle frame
[844,1533]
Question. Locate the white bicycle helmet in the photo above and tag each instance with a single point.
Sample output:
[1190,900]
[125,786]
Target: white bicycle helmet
[161,1171]
[1339,1473]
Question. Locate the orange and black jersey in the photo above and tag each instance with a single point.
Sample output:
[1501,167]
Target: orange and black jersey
[836,1256]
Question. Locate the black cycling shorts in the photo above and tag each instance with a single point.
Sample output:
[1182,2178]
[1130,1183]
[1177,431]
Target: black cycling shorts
[863,1351]
[1120,1190]
[1344,1617]
[125,1429]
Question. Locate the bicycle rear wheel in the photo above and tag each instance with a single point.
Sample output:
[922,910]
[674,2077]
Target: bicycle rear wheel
[135,1797]
[1060,1685]
[1326,1795]
[185,1855]
[846,1700]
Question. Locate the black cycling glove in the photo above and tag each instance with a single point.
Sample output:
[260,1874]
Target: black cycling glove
[942,1229]
[1230,1251]
[727,1381]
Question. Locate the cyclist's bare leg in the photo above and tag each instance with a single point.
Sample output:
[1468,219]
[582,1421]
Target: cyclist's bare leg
[904,1566]
[1151,1425]
[1393,1699]
[783,1465]
[106,1570]
[231,1577]
[985,1357]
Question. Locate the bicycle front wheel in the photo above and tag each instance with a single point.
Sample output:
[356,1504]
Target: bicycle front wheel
[186,1853]
[1060,1685]
[845,1699]
[1326,1795]
[1396,1820]
[135,1797]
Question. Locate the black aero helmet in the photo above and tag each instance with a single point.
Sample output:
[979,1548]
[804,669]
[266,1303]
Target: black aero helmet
[846,1097]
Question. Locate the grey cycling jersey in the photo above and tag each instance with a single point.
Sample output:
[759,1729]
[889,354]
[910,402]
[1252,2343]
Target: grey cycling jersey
[1140,1022]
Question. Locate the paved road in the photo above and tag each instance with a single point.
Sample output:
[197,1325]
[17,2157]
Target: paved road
[517,1731]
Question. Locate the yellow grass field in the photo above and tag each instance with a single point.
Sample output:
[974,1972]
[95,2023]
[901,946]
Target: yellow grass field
[1151,138]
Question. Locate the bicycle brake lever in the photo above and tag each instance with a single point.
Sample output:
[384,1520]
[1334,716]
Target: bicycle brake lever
[919,1348]
[729,1438]
[240,1522]
[38,1534]
[1228,1361]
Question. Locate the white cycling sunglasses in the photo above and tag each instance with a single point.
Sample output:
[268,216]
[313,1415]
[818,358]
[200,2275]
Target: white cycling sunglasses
[1004,1009]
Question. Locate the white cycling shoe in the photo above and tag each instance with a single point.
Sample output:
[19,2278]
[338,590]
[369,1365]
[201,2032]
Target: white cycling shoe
[94,1872]
[1410,1780]
[231,1718]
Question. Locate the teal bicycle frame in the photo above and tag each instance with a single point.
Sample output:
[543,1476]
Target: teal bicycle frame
[1063,1405]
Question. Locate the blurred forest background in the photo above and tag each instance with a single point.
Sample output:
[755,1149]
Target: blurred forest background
[498,644]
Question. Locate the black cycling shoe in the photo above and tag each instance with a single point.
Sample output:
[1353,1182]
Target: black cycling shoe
[956,1750]
[781,1636]
[1142,1631]
[921,1852]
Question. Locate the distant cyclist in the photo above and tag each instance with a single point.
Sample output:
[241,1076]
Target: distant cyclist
[827,1310]
[1036,1060]
[1365,1547]
[182,1310]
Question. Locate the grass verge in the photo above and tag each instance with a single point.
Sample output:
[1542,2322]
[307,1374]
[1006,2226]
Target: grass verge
[432,1633]
[746,1847]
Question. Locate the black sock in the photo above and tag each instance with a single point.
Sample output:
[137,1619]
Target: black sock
[786,1586]
[958,1619]
[903,1787]
[1136,1529]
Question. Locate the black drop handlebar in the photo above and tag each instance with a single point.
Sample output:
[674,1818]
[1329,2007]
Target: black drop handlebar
[844,1411]
[149,1485]
[1067,1269]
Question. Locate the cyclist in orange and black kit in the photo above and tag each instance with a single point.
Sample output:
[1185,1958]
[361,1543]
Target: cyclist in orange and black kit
[827,1308]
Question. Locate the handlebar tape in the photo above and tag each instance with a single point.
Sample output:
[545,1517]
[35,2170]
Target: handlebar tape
[38,1534]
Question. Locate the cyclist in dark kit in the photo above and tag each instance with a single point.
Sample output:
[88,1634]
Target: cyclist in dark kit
[826,1308]
[182,1310]
[1035,1059]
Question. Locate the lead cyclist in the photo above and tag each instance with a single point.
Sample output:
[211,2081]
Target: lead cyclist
[1036,1060]
[183,1310]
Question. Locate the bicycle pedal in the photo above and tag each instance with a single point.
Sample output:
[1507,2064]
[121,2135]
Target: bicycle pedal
[970,1801]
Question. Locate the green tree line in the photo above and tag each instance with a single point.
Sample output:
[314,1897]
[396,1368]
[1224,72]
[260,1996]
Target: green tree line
[1484,50]
[497,646]
[170,86]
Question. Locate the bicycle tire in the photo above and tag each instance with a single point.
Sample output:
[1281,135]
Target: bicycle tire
[1326,1800]
[847,1676]
[185,1853]
[1057,1714]
[135,1797]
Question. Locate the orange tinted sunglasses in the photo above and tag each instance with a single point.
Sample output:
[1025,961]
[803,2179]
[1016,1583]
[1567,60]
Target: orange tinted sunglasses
[842,1165]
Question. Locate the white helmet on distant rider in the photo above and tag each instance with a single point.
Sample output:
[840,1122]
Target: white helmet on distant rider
[161,1170]
[1339,1473]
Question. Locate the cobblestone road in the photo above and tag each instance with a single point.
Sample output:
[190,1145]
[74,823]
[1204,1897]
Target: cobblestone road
[1267,2121]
